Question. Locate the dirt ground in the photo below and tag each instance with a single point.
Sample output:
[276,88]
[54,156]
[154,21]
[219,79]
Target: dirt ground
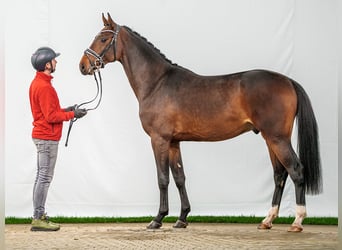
[196,236]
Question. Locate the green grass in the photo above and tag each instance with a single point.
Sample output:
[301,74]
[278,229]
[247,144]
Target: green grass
[172,219]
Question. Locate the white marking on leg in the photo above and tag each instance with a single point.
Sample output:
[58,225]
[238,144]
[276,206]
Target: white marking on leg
[179,165]
[300,215]
[272,214]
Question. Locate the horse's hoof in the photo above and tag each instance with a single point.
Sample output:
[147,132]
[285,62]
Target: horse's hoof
[180,224]
[154,225]
[265,226]
[295,228]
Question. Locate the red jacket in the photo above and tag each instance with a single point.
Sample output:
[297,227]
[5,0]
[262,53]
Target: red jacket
[48,116]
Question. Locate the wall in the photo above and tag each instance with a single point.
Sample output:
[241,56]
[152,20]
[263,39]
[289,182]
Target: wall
[2,128]
[108,168]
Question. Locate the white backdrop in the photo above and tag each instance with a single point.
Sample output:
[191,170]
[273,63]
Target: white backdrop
[108,168]
[2,128]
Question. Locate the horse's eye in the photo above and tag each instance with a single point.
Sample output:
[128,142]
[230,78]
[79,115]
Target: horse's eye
[103,40]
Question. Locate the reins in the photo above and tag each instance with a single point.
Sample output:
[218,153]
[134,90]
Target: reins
[96,65]
[98,91]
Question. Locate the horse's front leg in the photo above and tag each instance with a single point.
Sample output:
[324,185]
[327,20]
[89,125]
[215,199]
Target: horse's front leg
[177,169]
[161,154]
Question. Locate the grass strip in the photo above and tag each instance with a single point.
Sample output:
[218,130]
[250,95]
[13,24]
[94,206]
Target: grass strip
[172,219]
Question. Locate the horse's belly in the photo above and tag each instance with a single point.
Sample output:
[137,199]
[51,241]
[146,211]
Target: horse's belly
[210,132]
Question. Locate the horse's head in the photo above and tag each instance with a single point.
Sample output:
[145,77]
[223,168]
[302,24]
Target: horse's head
[103,49]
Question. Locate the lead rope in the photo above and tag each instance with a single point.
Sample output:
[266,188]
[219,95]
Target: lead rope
[99,91]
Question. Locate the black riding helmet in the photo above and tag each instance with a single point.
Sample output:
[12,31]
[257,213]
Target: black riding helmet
[42,56]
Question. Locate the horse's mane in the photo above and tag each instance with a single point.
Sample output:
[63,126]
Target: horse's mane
[150,45]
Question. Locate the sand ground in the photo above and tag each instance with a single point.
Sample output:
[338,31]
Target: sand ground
[196,236]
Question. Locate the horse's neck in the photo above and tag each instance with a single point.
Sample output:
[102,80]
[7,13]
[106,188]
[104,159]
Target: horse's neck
[143,66]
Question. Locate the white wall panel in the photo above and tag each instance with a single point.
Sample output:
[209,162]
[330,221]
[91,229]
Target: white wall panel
[2,128]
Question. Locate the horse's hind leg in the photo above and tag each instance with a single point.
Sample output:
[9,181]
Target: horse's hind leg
[179,177]
[280,176]
[285,154]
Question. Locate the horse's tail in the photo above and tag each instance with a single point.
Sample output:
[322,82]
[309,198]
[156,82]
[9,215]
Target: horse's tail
[308,142]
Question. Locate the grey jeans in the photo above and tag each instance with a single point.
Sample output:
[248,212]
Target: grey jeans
[46,161]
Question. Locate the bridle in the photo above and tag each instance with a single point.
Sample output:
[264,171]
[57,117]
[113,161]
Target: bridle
[99,63]
[95,66]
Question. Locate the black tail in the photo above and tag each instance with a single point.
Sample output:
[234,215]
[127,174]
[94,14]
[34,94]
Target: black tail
[308,142]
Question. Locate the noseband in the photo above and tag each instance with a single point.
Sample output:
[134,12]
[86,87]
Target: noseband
[99,63]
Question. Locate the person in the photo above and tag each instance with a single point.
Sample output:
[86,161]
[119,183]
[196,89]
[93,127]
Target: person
[48,118]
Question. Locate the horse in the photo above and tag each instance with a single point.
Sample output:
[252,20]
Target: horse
[176,104]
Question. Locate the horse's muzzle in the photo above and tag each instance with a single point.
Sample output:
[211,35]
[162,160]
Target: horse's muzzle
[85,66]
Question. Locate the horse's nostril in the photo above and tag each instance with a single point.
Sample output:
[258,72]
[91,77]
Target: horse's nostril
[82,68]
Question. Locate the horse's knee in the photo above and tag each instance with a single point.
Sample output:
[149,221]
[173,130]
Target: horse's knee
[280,179]
[179,181]
[163,182]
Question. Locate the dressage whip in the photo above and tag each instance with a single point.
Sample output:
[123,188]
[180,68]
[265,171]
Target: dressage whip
[98,91]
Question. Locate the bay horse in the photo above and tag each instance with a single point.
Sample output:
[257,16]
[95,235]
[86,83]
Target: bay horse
[176,104]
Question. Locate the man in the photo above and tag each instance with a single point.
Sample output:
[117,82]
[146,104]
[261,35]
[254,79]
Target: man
[48,118]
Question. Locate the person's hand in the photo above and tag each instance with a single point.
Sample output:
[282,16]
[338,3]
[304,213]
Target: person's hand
[70,108]
[79,113]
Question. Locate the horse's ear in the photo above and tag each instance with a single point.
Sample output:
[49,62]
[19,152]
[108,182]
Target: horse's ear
[110,20]
[105,21]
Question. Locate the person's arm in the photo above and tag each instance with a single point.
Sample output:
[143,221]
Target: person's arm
[49,104]
[70,108]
